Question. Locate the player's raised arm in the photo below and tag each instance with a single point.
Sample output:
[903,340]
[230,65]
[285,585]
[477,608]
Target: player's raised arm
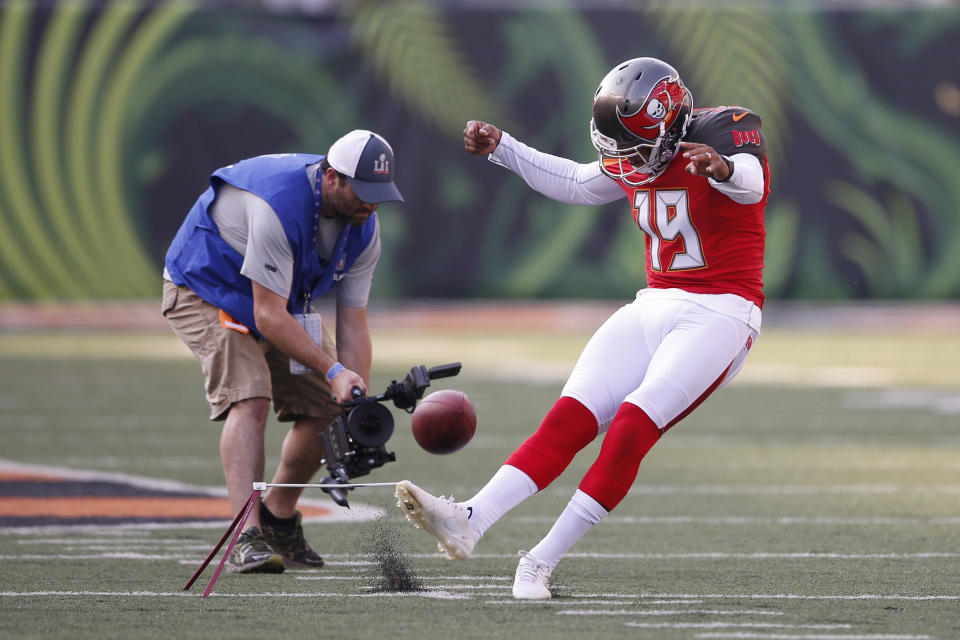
[558,178]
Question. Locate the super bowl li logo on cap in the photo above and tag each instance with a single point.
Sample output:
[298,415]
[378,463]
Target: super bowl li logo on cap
[381,166]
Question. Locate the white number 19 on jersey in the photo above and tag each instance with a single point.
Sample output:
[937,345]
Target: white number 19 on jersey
[663,217]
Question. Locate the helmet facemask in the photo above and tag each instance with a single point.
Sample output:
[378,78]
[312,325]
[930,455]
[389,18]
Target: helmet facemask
[634,165]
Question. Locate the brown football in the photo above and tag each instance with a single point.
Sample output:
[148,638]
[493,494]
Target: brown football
[444,421]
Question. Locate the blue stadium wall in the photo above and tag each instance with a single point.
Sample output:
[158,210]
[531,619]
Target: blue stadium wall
[113,114]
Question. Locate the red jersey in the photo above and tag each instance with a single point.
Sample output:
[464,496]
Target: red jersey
[697,238]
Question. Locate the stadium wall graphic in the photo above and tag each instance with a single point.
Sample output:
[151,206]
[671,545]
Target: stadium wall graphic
[113,114]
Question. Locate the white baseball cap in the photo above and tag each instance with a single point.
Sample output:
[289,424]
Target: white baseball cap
[367,160]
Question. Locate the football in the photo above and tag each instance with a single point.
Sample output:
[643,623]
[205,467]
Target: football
[444,422]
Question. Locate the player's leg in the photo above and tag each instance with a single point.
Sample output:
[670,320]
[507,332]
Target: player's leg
[692,359]
[238,390]
[689,363]
[702,353]
[567,428]
[630,436]
[611,364]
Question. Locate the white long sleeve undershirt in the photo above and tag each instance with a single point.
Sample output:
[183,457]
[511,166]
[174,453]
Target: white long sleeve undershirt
[571,182]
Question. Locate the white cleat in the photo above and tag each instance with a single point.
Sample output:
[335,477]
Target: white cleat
[532,579]
[440,517]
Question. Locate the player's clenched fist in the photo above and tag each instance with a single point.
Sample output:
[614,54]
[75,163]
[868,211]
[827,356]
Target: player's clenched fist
[480,138]
[705,161]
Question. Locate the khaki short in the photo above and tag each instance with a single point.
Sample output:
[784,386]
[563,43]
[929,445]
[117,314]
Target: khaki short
[239,366]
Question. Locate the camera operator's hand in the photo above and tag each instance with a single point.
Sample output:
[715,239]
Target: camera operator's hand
[343,384]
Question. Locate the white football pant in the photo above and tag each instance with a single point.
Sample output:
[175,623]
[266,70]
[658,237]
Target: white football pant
[661,352]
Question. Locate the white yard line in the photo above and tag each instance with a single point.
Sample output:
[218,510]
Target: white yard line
[777,490]
[111,548]
[805,555]
[333,562]
[735,625]
[468,587]
[797,596]
[758,520]
[444,594]
[275,594]
[807,636]
[424,578]
[768,596]
[720,555]
[593,602]
[118,555]
[940,401]
[668,612]
[108,537]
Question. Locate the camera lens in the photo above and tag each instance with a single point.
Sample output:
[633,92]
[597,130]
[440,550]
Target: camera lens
[370,425]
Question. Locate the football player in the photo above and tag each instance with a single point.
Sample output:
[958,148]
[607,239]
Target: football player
[696,181]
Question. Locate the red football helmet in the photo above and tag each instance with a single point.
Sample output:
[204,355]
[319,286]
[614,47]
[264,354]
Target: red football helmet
[640,113]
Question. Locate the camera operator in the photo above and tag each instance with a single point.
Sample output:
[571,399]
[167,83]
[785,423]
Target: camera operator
[270,235]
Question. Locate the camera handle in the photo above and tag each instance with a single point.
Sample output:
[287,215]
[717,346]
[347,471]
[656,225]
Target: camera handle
[444,371]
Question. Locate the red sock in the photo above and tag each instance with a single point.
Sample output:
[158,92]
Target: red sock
[567,428]
[632,433]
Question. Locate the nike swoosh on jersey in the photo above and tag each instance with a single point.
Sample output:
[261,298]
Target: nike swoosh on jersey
[739,116]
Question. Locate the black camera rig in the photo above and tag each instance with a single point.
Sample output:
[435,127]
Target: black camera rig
[353,443]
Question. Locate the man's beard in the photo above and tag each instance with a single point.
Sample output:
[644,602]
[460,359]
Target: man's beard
[356,217]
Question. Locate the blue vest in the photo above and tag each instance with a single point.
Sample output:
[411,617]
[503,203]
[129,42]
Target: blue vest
[200,259]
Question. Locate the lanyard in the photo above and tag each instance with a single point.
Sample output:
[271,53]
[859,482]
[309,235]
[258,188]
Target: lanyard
[327,276]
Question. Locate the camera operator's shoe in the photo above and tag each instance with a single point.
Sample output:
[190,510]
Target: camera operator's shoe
[441,517]
[532,578]
[253,554]
[289,542]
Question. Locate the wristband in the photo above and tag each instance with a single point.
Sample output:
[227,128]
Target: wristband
[336,369]
[730,167]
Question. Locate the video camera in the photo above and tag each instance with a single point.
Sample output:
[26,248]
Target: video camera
[353,443]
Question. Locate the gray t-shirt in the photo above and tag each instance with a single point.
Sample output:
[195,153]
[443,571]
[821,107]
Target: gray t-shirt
[251,227]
